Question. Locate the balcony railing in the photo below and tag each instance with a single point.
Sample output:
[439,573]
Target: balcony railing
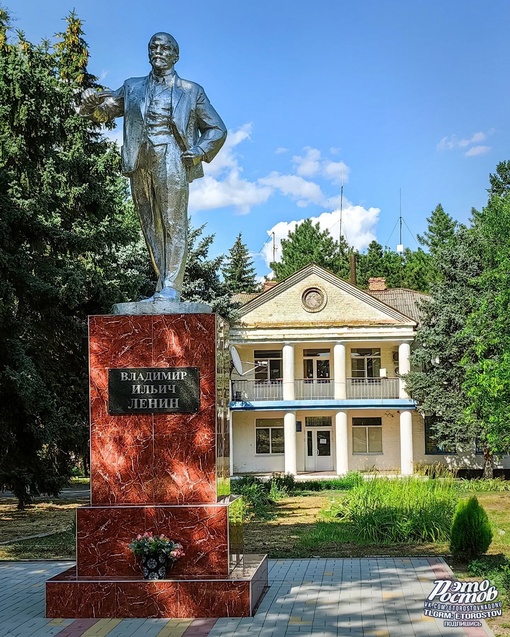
[315,389]
[245,390]
[375,388]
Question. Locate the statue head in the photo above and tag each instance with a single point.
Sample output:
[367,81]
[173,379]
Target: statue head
[163,51]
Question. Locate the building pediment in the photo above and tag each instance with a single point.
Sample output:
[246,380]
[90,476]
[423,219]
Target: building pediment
[315,297]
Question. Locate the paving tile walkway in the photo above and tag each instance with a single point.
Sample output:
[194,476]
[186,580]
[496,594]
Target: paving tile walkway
[369,597]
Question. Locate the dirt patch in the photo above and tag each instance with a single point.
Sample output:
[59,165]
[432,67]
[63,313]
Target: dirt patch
[42,517]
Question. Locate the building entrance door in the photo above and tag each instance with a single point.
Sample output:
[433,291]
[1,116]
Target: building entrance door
[318,450]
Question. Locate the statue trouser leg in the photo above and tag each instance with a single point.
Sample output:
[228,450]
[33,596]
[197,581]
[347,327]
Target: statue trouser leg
[160,192]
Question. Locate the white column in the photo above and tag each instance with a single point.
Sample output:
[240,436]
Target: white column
[404,366]
[406,443]
[342,443]
[289,433]
[231,441]
[288,372]
[339,371]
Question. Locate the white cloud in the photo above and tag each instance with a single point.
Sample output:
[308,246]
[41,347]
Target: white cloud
[281,150]
[336,171]
[472,144]
[477,150]
[309,164]
[209,193]
[358,227]
[223,185]
[303,191]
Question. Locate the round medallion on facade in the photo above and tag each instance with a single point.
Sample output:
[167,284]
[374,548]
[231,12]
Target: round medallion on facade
[314,299]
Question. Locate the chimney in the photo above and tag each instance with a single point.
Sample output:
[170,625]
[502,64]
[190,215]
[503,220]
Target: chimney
[377,283]
[352,265]
[268,285]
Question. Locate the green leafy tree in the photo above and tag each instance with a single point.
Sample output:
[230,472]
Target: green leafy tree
[64,228]
[380,262]
[238,271]
[417,267]
[309,244]
[487,361]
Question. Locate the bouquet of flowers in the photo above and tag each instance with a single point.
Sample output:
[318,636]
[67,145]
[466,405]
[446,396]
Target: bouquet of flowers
[148,543]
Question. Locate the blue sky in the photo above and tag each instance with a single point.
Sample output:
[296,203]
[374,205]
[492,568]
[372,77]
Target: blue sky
[406,101]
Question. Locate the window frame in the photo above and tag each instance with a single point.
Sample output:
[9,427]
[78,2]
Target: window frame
[356,355]
[278,425]
[267,356]
[368,423]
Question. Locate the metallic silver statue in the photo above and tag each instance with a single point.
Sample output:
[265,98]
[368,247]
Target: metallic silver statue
[170,127]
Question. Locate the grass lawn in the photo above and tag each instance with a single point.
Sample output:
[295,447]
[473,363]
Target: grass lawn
[294,530]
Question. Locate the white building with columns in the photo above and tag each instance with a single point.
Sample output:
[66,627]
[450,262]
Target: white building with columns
[319,388]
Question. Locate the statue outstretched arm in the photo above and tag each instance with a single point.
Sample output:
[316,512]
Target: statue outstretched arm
[102,106]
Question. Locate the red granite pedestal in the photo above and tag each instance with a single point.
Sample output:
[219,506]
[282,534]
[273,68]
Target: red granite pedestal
[160,472]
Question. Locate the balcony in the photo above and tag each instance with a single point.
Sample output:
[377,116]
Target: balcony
[315,389]
[372,388]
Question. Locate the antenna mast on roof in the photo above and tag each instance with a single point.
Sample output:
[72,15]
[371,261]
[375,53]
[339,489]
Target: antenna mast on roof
[400,247]
[341,209]
[274,248]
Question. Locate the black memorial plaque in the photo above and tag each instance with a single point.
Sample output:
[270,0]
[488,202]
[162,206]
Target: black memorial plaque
[153,390]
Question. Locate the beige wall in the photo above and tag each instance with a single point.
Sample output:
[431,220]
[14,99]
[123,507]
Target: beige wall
[286,308]
[246,461]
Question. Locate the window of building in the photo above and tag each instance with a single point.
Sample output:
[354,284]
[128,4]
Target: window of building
[365,362]
[316,364]
[268,364]
[317,421]
[366,435]
[269,435]
[431,444]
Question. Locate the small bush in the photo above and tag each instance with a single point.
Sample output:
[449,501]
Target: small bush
[471,533]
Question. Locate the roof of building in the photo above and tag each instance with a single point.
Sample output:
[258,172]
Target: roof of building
[244,297]
[405,301]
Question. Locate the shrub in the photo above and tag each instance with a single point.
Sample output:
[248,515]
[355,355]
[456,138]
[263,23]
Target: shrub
[471,533]
[496,568]
[383,510]
[255,496]
[483,484]
[345,483]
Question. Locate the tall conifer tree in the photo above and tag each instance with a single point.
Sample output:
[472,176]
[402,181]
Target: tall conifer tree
[64,232]
[239,272]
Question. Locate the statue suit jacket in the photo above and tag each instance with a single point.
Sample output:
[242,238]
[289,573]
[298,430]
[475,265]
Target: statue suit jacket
[194,120]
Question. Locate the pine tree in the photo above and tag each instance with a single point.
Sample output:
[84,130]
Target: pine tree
[65,228]
[440,231]
[500,180]
[438,372]
[239,272]
[202,275]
